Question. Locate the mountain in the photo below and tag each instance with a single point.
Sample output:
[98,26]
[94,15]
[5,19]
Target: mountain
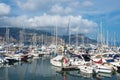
[81,38]
[15,32]
[42,36]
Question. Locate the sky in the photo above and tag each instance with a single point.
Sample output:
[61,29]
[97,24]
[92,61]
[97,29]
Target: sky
[82,16]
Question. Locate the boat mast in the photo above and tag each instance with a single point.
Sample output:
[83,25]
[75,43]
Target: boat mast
[56,32]
[34,39]
[42,40]
[107,39]
[21,36]
[7,38]
[7,35]
[76,38]
[69,34]
[97,36]
[101,36]
[83,40]
[46,38]
[56,35]
[114,39]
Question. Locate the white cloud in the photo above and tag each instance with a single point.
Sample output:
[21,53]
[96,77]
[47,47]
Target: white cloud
[68,6]
[4,9]
[57,9]
[60,9]
[74,4]
[87,4]
[50,6]
[50,21]
[30,5]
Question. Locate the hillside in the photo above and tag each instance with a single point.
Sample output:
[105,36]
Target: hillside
[42,36]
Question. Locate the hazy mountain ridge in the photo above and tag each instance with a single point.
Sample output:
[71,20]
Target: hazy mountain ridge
[47,36]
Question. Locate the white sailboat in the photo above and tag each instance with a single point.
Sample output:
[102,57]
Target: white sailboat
[86,68]
[100,67]
[59,61]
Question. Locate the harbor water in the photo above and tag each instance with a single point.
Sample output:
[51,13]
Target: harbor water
[41,69]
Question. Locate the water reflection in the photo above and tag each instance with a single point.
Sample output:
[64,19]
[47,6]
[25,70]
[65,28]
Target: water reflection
[102,75]
[41,69]
[71,74]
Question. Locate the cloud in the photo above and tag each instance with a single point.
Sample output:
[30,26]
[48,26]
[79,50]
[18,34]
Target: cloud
[29,5]
[4,9]
[66,7]
[87,4]
[74,4]
[47,6]
[50,21]
[60,9]
[58,13]
[63,7]
[34,5]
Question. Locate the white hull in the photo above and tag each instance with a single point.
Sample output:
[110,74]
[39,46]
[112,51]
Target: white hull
[57,61]
[116,65]
[86,69]
[103,69]
[75,62]
[98,70]
[57,69]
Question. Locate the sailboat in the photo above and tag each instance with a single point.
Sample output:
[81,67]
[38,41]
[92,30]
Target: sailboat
[86,68]
[86,65]
[59,61]
[102,67]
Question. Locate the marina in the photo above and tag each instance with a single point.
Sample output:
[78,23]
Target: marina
[59,40]
[67,64]
[42,69]
[58,60]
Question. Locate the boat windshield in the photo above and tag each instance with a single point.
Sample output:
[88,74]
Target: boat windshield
[86,57]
